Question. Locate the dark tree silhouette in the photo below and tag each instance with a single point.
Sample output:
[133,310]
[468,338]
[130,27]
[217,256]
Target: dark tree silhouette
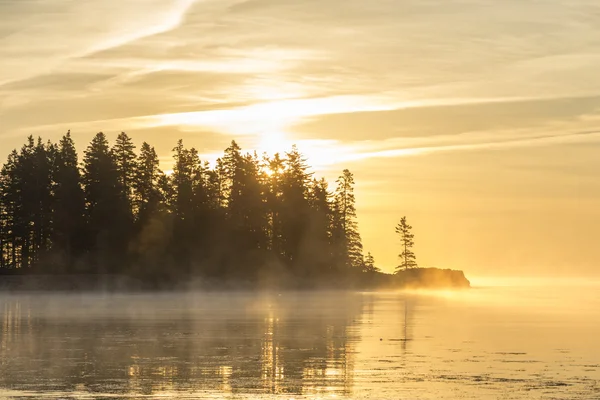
[247,218]
[125,160]
[294,208]
[146,194]
[406,242]
[108,212]
[274,192]
[317,243]
[346,238]
[369,264]
[10,195]
[69,206]
[26,192]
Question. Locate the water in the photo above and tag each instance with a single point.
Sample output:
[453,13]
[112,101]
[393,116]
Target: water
[508,342]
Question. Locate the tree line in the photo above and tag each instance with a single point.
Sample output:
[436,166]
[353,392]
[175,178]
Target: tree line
[245,217]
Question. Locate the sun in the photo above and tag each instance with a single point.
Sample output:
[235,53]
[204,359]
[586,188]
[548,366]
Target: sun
[273,142]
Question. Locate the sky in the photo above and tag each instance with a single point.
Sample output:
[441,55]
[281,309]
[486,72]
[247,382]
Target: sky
[477,119]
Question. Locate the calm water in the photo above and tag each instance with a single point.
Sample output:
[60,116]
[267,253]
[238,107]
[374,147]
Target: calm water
[490,342]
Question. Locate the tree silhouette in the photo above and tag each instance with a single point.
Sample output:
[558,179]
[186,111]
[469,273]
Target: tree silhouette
[406,242]
[26,193]
[146,193]
[294,207]
[108,212]
[369,264]
[69,205]
[346,238]
[274,167]
[317,244]
[10,194]
[243,219]
[125,161]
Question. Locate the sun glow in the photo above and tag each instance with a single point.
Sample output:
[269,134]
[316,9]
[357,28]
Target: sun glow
[273,142]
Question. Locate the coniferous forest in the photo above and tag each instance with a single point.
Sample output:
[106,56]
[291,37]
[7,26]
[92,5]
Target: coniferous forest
[248,218]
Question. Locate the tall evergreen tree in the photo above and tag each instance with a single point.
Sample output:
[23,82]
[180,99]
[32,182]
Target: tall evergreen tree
[69,205]
[27,204]
[107,208]
[125,161]
[185,171]
[317,245]
[347,240]
[153,231]
[295,207]
[25,174]
[274,168]
[246,213]
[146,193]
[11,200]
[407,256]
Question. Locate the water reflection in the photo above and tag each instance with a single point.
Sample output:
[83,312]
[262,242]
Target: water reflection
[242,343]
[301,345]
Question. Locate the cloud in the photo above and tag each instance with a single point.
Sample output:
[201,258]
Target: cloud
[43,35]
[576,137]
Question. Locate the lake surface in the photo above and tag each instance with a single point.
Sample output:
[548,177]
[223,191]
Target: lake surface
[509,342]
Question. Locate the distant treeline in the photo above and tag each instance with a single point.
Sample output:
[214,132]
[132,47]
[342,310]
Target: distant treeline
[248,217]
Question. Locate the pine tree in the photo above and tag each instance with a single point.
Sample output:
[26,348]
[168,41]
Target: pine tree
[317,249]
[406,242]
[125,160]
[246,213]
[347,241]
[230,171]
[146,194]
[274,170]
[27,204]
[294,208]
[25,176]
[41,183]
[153,231]
[107,208]
[69,205]
[11,200]
[369,264]
[185,173]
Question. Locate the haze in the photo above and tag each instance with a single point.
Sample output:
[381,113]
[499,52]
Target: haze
[477,119]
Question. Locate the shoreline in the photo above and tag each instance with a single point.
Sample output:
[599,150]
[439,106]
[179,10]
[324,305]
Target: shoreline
[418,278]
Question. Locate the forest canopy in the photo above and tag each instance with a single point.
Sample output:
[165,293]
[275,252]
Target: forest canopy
[247,217]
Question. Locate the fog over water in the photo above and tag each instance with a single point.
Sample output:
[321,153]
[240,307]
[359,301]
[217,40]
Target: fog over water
[493,341]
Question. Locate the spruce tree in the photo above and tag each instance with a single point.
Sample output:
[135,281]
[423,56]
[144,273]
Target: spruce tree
[107,207]
[294,208]
[69,205]
[146,192]
[185,172]
[11,200]
[347,240]
[27,197]
[151,241]
[369,264]
[246,213]
[407,257]
[274,168]
[317,249]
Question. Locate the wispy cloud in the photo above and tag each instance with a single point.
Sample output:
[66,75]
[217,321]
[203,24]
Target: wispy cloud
[42,35]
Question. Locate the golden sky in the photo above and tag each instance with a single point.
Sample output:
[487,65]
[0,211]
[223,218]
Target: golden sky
[478,119]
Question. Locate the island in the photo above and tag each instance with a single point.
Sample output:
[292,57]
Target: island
[114,220]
